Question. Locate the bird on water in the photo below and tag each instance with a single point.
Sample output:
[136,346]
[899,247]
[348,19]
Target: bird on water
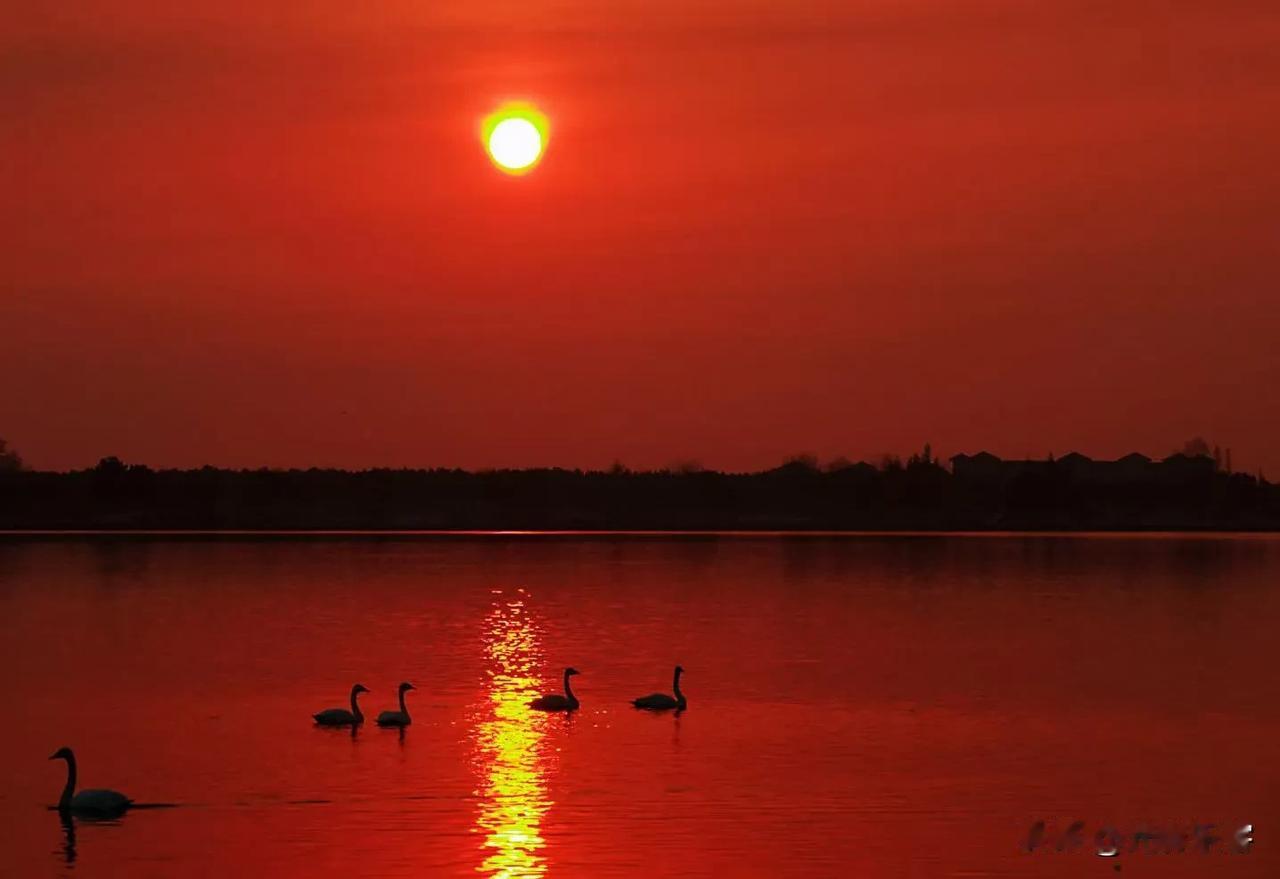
[341,716]
[661,701]
[555,701]
[401,717]
[87,803]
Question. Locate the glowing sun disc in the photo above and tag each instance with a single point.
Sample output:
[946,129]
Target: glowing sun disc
[515,136]
[515,143]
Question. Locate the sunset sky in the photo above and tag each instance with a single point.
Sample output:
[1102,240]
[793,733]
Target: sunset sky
[256,233]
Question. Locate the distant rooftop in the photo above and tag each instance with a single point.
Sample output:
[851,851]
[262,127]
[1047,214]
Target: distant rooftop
[1077,458]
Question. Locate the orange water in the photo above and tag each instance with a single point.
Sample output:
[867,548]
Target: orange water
[871,707]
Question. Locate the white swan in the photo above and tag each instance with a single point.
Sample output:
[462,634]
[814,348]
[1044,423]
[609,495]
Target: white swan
[661,701]
[401,717]
[556,702]
[90,803]
[341,716]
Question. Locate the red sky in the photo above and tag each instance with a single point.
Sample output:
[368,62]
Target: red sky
[245,233]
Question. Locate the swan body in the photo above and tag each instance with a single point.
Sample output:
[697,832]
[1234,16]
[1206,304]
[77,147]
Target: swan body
[661,701]
[555,701]
[401,717]
[100,802]
[341,716]
[88,803]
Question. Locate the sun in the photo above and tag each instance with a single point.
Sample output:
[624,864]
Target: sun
[515,144]
[515,136]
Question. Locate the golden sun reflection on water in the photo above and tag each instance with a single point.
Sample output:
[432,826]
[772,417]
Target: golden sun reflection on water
[508,754]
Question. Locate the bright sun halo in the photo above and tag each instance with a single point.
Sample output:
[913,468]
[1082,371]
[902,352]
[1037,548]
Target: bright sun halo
[515,136]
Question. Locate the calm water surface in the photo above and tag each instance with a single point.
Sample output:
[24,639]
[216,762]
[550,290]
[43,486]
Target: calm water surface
[872,707]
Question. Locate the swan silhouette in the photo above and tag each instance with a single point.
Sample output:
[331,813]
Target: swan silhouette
[556,702]
[87,803]
[399,718]
[661,701]
[341,716]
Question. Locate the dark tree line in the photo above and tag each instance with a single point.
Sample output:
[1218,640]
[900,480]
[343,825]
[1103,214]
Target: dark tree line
[918,493]
[10,460]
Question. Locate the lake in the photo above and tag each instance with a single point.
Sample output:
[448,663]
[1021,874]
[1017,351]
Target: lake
[871,706]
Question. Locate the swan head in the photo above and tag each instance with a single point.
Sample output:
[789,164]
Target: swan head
[359,688]
[407,686]
[571,671]
[679,669]
[62,754]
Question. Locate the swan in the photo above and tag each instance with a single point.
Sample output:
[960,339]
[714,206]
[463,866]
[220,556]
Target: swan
[89,803]
[341,716]
[398,718]
[556,702]
[661,701]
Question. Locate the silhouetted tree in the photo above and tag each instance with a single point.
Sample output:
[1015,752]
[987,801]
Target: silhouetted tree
[111,466]
[10,460]
[803,461]
[923,459]
[1196,447]
[890,463]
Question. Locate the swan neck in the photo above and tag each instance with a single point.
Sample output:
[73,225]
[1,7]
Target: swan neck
[355,706]
[403,708]
[64,802]
[568,690]
[675,686]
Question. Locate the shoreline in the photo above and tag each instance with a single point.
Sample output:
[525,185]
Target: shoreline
[639,534]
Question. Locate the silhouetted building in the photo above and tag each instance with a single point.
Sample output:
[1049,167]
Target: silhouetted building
[1133,468]
[987,468]
[982,467]
[1187,468]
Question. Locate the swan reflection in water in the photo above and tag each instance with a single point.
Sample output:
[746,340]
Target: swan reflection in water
[71,824]
[508,752]
[68,852]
